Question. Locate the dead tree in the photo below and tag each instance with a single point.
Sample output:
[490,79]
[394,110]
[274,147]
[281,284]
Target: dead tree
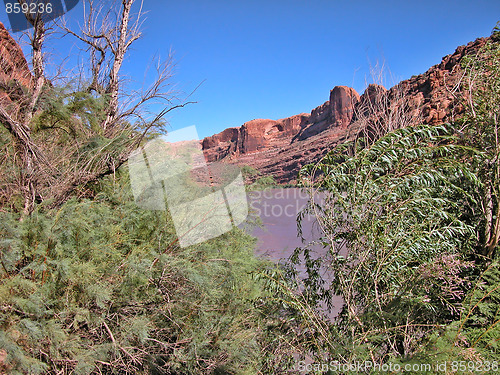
[16,113]
[107,33]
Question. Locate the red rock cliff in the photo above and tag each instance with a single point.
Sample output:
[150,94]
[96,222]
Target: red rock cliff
[281,147]
[15,75]
[258,135]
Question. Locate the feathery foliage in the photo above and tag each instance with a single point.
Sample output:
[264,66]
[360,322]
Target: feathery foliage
[101,286]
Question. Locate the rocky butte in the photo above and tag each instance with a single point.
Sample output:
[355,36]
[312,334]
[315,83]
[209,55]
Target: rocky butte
[281,147]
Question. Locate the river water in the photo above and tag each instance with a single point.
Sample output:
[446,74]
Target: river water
[278,236]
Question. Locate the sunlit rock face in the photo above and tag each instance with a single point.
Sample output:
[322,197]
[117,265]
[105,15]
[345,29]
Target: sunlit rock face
[281,147]
[253,136]
[15,76]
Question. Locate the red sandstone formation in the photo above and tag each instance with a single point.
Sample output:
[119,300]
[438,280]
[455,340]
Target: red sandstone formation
[253,136]
[15,76]
[335,113]
[13,65]
[279,148]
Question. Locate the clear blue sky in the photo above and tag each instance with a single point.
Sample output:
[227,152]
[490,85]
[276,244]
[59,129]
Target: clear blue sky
[277,58]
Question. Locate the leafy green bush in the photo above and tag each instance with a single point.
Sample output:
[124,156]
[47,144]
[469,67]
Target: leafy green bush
[389,215]
[263,183]
[473,339]
[409,223]
[101,286]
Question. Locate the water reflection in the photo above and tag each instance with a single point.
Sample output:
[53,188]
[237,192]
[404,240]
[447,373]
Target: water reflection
[278,209]
[277,237]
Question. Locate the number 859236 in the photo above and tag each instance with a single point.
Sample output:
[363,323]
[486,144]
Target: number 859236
[32,8]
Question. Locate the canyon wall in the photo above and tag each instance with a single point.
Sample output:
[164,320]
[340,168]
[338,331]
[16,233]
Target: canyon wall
[281,147]
[15,75]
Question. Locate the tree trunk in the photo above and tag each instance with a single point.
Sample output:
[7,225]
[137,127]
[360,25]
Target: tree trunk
[119,55]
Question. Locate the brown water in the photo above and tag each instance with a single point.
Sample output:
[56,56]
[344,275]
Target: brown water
[278,235]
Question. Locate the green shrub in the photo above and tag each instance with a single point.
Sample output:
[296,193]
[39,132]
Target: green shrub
[101,286]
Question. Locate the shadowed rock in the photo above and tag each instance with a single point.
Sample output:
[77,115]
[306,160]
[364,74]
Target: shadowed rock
[15,76]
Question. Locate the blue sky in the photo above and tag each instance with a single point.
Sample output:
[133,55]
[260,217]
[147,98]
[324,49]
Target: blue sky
[276,58]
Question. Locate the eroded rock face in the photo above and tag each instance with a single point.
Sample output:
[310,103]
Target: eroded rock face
[280,148]
[433,92]
[220,145]
[252,136]
[261,134]
[336,112]
[13,64]
[15,76]
[343,99]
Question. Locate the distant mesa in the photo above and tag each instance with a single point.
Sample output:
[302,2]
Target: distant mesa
[281,147]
